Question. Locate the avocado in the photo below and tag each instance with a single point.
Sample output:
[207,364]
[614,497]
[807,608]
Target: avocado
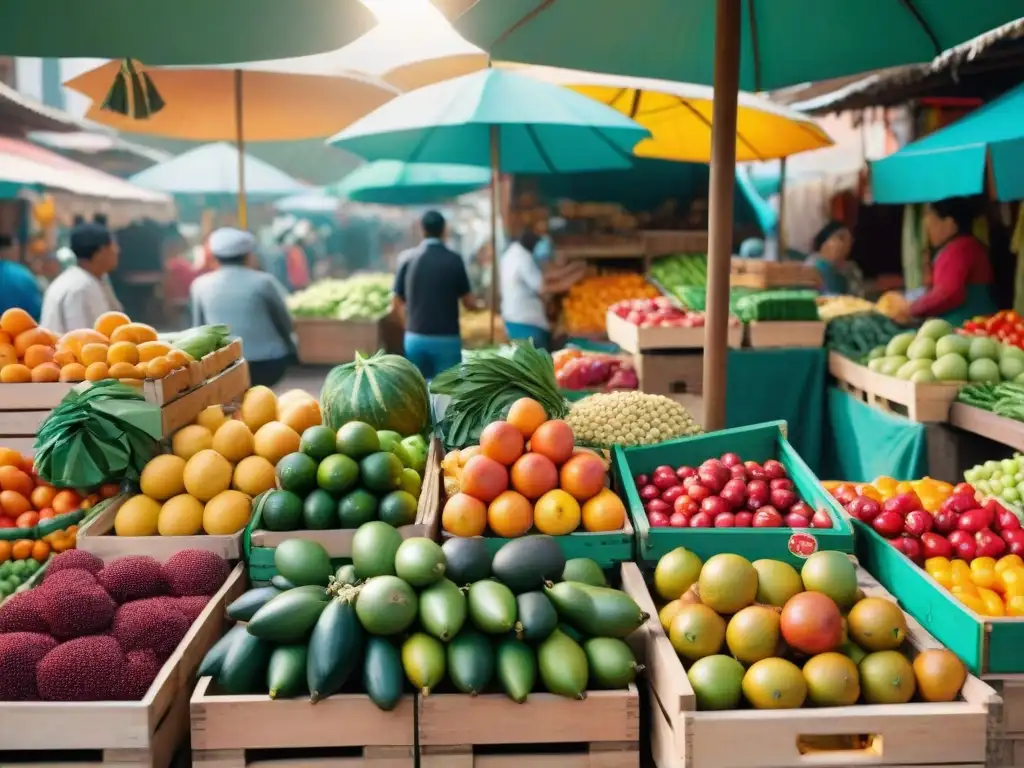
[468,560]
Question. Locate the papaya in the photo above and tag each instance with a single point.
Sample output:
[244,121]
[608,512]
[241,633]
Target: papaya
[214,658]
[492,607]
[246,605]
[584,570]
[287,618]
[286,671]
[383,677]
[423,660]
[596,611]
[386,605]
[346,575]
[611,663]
[536,617]
[442,609]
[302,562]
[470,662]
[525,564]
[563,666]
[334,648]
[516,665]
[281,583]
[244,668]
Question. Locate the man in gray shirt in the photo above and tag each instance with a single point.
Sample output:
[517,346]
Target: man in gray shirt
[248,301]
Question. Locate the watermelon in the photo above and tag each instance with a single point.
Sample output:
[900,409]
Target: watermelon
[385,391]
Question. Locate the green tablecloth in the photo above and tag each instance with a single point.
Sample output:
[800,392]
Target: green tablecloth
[863,442]
[788,384]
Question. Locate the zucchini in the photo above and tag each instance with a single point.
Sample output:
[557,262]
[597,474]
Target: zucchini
[286,672]
[214,658]
[244,668]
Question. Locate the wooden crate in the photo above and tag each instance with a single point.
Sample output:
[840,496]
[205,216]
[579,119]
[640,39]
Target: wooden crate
[175,384]
[323,341]
[670,374]
[143,733]
[222,389]
[228,731]
[1006,749]
[772,334]
[633,338]
[918,402]
[97,536]
[915,735]
[762,275]
[667,242]
[986,424]
[23,409]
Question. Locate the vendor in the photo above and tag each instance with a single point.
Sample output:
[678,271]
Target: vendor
[832,247]
[522,286]
[961,273]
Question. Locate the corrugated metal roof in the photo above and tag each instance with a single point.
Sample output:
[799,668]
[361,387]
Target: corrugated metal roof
[20,114]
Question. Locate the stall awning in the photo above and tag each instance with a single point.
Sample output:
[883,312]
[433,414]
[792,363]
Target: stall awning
[77,188]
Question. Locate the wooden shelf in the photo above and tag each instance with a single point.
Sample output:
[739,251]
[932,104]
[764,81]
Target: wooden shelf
[986,424]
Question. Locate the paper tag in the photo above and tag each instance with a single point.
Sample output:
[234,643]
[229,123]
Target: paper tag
[803,544]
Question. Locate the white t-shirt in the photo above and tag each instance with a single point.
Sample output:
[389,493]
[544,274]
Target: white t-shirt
[521,282]
[75,300]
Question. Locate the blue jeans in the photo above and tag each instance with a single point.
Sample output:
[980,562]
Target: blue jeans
[433,354]
[541,336]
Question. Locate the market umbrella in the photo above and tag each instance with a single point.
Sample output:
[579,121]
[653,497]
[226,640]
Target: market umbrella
[312,201]
[392,182]
[951,162]
[499,120]
[731,44]
[210,170]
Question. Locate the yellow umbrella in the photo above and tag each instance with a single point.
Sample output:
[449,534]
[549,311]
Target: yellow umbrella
[284,100]
[678,115]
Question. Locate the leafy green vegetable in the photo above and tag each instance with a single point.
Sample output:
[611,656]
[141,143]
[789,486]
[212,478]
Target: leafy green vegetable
[362,297]
[485,385]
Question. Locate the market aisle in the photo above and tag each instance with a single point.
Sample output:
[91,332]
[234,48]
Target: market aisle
[306,377]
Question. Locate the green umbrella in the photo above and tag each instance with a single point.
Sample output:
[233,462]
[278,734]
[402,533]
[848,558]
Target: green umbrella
[392,182]
[951,162]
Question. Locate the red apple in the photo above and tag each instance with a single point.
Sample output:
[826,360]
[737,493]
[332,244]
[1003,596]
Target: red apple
[731,460]
[803,508]
[793,520]
[774,470]
[715,505]
[902,503]
[767,517]
[725,520]
[739,472]
[945,522]
[684,472]
[864,508]
[669,495]
[782,482]
[657,505]
[820,519]
[702,520]
[989,544]
[1014,541]
[665,480]
[975,520]
[963,499]
[888,523]
[966,549]
[757,493]
[744,519]
[783,499]
[686,505]
[909,546]
[1006,520]
[679,520]
[735,493]
[641,480]
[658,520]
[649,492]
[691,480]
[697,492]
[754,470]
[917,522]
[935,545]
[714,474]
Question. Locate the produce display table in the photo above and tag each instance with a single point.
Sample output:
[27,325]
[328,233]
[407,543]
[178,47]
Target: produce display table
[999,429]
[324,341]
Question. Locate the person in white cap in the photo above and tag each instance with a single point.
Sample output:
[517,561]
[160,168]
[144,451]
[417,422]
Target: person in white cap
[248,301]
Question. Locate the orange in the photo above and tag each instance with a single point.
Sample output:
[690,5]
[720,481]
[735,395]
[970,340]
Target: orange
[464,516]
[108,322]
[868,490]
[38,354]
[6,338]
[73,341]
[160,366]
[30,338]
[40,551]
[534,475]
[47,514]
[64,357]
[510,515]
[62,543]
[22,549]
[66,501]
[604,512]
[94,352]
[149,350]
[5,550]
[555,440]
[13,504]
[27,520]
[72,372]
[484,478]
[15,373]
[15,321]
[97,372]
[136,333]
[42,496]
[526,414]
[14,479]
[8,355]
[46,372]
[9,457]
[501,442]
[582,476]
[121,352]
[939,674]
[556,513]
[179,358]
[123,370]
[108,490]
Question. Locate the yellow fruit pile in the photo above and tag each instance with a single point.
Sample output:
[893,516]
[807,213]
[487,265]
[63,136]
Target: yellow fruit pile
[987,586]
[217,466]
[115,348]
[586,305]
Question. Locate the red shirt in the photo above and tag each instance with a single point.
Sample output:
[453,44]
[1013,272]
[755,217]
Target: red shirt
[961,262]
[180,274]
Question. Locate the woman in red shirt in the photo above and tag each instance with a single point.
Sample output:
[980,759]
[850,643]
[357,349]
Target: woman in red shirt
[961,273]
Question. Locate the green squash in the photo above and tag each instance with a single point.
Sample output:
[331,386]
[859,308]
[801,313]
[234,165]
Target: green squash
[385,391]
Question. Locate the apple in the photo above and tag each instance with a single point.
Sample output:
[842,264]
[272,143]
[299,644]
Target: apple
[725,520]
[739,472]
[1006,520]
[731,460]
[781,482]
[735,493]
[665,480]
[697,492]
[966,549]
[658,520]
[649,492]
[641,480]
[714,474]
[963,500]
[657,505]
[744,519]
[935,545]
[888,523]
[754,470]
[684,472]
[679,520]
[975,520]
[767,517]
[715,505]
[945,522]
[757,492]
[669,495]
[793,520]
[803,508]
[902,503]
[917,522]
[1014,541]
[820,519]
[702,520]
[783,498]
[685,505]
[774,470]
[989,544]
[691,480]
[909,546]
[864,508]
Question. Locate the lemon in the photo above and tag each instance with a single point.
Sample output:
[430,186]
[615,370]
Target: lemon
[259,406]
[163,477]
[274,441]
[190,440]
[226,513]
[181,516]
[254,475]
[211,418]
[137,517]
[207,474]
[233,440]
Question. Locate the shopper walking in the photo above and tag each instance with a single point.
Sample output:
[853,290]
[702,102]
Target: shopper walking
[82,292]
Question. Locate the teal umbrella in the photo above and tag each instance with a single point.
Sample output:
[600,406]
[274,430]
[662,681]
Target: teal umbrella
[951,162]
[392,182]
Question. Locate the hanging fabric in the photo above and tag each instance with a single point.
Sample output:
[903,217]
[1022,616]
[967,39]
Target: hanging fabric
[910,249]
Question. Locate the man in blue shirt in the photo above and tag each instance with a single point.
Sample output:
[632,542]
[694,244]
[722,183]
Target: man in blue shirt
[18,286]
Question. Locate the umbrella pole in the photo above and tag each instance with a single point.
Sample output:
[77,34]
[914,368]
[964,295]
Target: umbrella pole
[782,210]
[243,216]
[723,179]
[495,164]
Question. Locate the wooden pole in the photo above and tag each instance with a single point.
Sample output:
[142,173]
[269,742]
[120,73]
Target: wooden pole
[723,180]
[243,216]
[782,210]
[495,181]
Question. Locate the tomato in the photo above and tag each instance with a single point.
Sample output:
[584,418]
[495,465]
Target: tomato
[970,326]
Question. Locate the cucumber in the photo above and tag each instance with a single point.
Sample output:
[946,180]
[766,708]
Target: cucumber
[244,668]
[517,669]
[287,618]
[286,672]
[214,658]
[334,648]
[537,617]
[383,676]
[245,607]
[470,662]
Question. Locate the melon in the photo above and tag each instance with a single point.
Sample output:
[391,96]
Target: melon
[384,391]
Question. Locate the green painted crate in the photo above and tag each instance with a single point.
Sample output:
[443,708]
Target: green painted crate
[758,442]
[987,645]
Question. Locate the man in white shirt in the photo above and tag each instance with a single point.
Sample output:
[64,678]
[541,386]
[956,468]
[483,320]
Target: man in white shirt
[82,292]
[522,289]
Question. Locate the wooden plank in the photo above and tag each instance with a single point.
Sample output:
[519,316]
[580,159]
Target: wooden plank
[32,397]
[635,339]
[324,341]
[918,402]
[21,423]
[220,360]
[667,242]
[1009,432]
[773,335]
[220,390]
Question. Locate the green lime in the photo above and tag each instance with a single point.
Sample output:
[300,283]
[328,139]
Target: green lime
[318,442]
[31,566]
[318,511]
[381,472]
[19,569]
[388,439]
[398,508]
[337,474]
[282,511]
[357,508]
[296,472]
[6,568]
[411,482]
[357,439]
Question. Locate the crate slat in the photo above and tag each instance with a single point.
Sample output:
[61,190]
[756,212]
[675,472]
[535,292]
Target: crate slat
[777,334]
[918,402]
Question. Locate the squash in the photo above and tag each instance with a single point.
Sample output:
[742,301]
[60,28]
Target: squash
[385,391]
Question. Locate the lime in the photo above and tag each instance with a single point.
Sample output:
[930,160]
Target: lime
[398,508]
[282,511]
[337,474]
[357,508]
[317,442]
[296,472]
[411,482]
[357,439]
[318,511]
[381,472]
[388,439]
